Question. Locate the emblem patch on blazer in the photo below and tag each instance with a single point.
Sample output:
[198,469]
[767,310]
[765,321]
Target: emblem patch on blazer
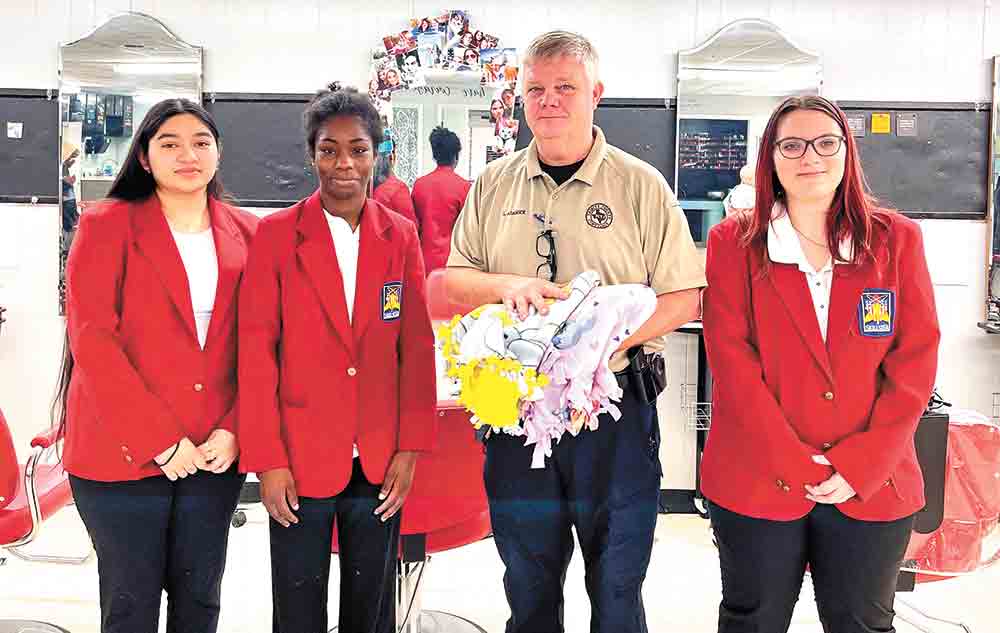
[876,312]
[392,300]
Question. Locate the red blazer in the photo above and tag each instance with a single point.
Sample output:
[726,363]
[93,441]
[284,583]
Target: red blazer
[314,383]
[437,200]
[780,396]
[394,194]
[141,381]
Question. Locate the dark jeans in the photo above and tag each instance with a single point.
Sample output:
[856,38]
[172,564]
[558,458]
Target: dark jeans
[854,565]
[155,535]
[300,563]
[605,483]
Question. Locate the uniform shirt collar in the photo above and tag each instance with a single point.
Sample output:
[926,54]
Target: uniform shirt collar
[784,247]
[587,172]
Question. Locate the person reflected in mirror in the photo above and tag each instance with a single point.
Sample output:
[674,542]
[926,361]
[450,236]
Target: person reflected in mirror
[337,378]
[388,189]
[741,197]
[822,336]
[438,197]
[70,210]
[146,399]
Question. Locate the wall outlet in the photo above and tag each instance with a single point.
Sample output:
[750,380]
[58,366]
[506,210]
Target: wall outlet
[15,129]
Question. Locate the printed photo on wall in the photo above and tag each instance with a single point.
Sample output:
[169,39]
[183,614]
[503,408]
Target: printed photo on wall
[430,46]
[469,58]
[499,66]
[388,77]
[505,126]
[458,23]
[429,25]
[399,43]
[409,67]
[483,40]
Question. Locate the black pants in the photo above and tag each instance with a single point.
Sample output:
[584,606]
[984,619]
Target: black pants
[155,535]
[854,565]
[300,563]
[605,483]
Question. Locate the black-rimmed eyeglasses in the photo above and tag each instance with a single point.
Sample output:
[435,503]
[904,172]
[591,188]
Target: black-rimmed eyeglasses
[794,147]
[545,246]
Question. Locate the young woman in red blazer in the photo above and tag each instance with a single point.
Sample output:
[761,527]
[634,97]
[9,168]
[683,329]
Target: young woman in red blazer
[822,336]
[147,399]
[389,190]
[337,378]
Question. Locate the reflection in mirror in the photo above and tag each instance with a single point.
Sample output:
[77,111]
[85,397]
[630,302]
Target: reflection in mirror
[726,90]
[992,323]
[107,82]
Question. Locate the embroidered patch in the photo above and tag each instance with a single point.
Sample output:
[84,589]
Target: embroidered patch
[599,215]
[392,300]
[876,312]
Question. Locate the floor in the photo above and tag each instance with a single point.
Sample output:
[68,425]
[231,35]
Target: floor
[681,592]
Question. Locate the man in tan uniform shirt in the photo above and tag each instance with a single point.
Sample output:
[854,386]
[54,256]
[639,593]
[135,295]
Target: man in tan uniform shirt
[568,203]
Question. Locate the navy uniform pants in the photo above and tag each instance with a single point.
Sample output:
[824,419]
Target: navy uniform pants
[368,551]
[155,535]
[603,483]
[854,566]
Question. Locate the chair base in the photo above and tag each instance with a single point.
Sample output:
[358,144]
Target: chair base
[29,626]
[437,622]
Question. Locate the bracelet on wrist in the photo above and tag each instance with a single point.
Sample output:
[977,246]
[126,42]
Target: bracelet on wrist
[172,453]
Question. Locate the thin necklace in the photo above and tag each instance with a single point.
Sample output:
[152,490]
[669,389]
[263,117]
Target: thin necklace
[808,239]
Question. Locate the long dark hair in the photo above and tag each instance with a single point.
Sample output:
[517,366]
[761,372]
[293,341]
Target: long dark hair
[135,183]
[853,210]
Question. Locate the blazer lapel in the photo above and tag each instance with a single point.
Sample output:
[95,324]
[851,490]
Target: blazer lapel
[153,239]
[319,260]
[790,284]
[231,252]
[849,281]
[375,255]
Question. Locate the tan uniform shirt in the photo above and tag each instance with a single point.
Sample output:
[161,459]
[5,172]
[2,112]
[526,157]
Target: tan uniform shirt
[616,215]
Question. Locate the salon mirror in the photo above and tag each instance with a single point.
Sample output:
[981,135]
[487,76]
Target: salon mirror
[107,82]
[726,90]
[992,322]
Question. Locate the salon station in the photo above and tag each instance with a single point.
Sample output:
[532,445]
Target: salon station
[689,88]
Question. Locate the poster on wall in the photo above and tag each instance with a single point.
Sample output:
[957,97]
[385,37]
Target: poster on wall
[449,48]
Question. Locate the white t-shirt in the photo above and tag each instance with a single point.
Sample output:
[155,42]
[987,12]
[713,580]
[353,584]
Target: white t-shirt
[202,266]
[784,247]
[346,243]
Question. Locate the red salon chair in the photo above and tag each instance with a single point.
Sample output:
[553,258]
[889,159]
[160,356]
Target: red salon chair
[29,494]
[447,505]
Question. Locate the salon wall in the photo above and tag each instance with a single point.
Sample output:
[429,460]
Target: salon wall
[895,50]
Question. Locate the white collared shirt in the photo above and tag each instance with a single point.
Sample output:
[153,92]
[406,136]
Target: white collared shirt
[784,247]
[346,243]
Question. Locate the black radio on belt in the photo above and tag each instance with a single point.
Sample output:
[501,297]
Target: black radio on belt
[647,374]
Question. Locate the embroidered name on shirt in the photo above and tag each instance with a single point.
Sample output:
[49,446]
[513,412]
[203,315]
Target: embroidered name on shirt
[392,300]
[515,212]
[876,312]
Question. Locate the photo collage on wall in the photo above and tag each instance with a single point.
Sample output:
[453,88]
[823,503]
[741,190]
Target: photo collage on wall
[433,48]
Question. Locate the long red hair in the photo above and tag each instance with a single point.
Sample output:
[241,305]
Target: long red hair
[853,210]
